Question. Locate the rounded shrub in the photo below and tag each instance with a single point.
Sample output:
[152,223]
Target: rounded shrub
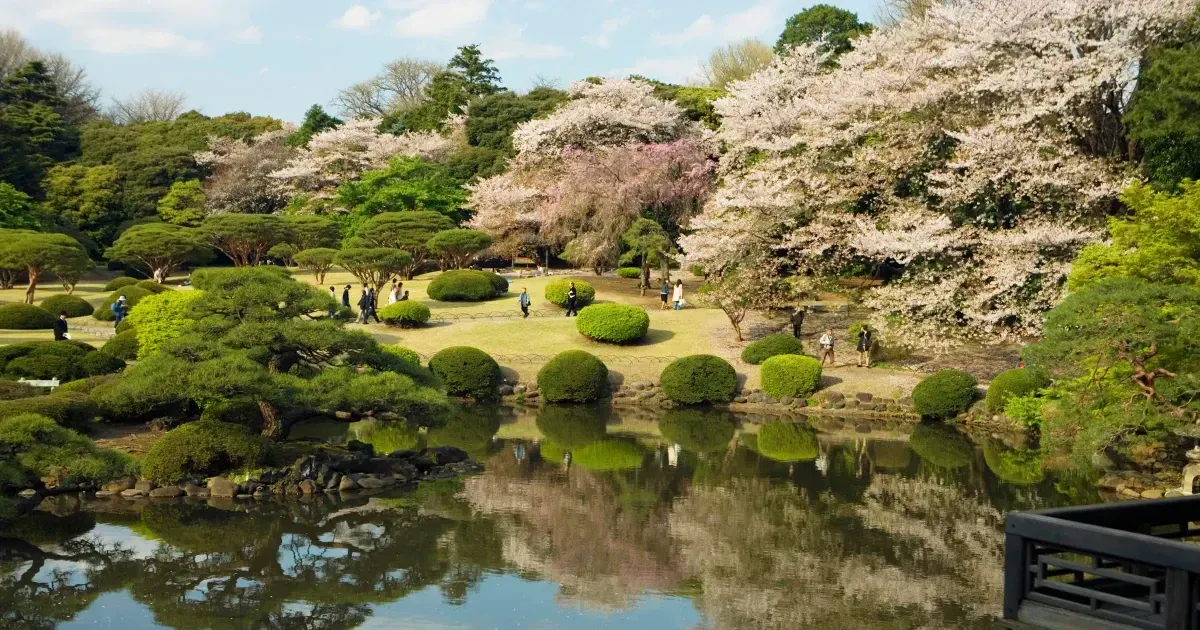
[466,285]
[613,323]
[787,442]
[466,371]
[124,346]
[153,287]
[120,283]
[1016,382]
[100,363]
[700,378]
[571,427]
[85,385]
[45,366]
[132,294]
[698,431]
[12,390]
[1021,467]
[631,273]
[791,375]
[73,305]
[556,293]
[406,314]
[573,376]
[204,448]
[25,317]
[610,454]
[769,346]
[944,394]
[941,445]
[73,410]
[404,353]
[41,447]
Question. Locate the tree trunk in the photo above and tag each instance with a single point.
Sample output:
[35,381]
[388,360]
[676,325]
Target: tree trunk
[272,426]
[32,288]
[645,275]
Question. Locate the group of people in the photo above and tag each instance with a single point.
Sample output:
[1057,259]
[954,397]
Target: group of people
[368,301]
[827,340]
[676,294]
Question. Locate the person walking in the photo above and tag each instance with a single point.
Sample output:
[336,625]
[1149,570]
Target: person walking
[118,311]
[572,296]
[394,296]
[346,297]
[798,320]
[372,297]
[678,297]
[663,292]
[60,327]
[826,342]
[864,347]
[524,301]
[363,309]
[333,309]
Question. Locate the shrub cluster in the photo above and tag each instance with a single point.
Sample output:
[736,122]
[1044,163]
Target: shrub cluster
[123,346]
[556,293]
[39,448]
[613,323]
[631,273]
[791,375]
[404,353]
[120,283]
[12,390]
[73,305]
[769,346]
[466,285]
[467,371]
[700,378]
[159,319]
[1012,383]
[204,448]
[406,314]
[73,410]
[698,431]
[153,287]
[610,454]
[63,360]
[573,376]
[941,445]
[25,317]
[133,295]
[787,441]
[944,394]
[571,427]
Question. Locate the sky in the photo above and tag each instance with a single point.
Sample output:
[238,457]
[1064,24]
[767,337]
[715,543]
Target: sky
[278,57]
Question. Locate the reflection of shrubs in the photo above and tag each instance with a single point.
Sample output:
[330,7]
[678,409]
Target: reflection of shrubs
[1016,382]
[613,323]
[556,293]
[470,429]
[700,378]
[571,427]
[120,283]
[941,446]
[770,346]
[891,455]
[697,431]
[791,375]
[73,305]
[610,454]
[466,285]
[43,448]
[386,437]
[787,442]
[467,372]
[133,295]
[944,394]
[573,376]
[405,314]
[25,317]
[1011,465]
[204,448]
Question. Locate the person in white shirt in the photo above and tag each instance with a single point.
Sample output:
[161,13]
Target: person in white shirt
[394,296]
[678,297]
[826,342]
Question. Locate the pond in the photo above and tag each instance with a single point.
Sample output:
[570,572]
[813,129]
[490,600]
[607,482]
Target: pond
[583,519]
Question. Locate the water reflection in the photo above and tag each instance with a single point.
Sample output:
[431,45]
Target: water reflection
[584,517]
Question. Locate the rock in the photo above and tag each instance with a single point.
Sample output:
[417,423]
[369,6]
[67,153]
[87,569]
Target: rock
[531,395]
[344,416]
[145,485]
[906,401]
[354,446]
[308,486]
[645,395]
[800,402]
[443,455]
[834,397]
[120,485]
[851,404]
[506,390]
[1153,493]
[1110,482]
[741,400]
[243,497]
[347,484]
[192,490]
[1126,492]
[839,404]
[768,400]
[222,487]
[104,494]
[863,427]
[1173,493]
[27,494]
[374,483]
[334,480]
[422,464]
[166,492]
[864,397]
[638,386]
[786,400]
[133,493]
[754,398]
[262,492]
[519,389]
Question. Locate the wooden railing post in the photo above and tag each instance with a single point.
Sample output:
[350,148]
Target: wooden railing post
[1016,574]
[1180,604]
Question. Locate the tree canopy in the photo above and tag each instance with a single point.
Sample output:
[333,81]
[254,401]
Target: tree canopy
[160,248]
[833,29]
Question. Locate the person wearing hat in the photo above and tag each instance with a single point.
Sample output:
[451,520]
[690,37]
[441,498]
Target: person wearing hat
[118,310]
[60,327]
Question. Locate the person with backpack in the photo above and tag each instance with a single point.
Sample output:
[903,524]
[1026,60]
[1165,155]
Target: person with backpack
[572,296]
[524,301]
[826,343]
[118,311]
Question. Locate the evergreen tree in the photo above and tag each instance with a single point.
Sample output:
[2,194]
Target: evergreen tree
[316,120]
[32,134]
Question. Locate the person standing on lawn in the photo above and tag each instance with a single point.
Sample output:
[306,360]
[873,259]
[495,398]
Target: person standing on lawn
[663,292]
[333,309]
[798,320]
[572,296]
[678,297]
[826,342]
[118,311]
[864,347]
[60,327]
[524,301]
[371,298]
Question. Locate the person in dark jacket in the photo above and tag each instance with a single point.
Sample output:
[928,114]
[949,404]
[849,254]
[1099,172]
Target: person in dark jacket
[572,296]
[864,347]
[60,327]
[404,298]
[372,297]
[663,292]
[346,297]
[363,310]
[798,320]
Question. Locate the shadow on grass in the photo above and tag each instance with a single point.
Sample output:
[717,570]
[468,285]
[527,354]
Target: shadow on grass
[829,381]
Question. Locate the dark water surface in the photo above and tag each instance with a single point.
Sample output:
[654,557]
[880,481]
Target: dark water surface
[582,519]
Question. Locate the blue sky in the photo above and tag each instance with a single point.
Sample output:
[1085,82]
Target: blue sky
[277,57]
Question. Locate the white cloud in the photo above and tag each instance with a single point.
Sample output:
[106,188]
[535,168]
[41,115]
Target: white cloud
[756,20]
[358,17]
[440,19]
[120,40]
[510,43]
[670,69]
[701,28]
[250,35]
[607,28]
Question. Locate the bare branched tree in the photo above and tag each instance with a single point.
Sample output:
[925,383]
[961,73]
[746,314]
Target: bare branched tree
[401,84]
[735,62]
[543,81]
[81,99]
[148,106]
[890,12]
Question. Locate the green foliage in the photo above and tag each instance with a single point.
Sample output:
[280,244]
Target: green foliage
[63,360]
[120,283]
[123,346]
[316,120]
[183,204]
[770,346]
[1164,115]
[283,252]
[85,385]
[153,287]
[408,231]
[203,448]
[466,285]
[342,389]
[11,390]
[556,293]
[1022,467]
[458,247]
[72,410]
[631,273]
[406,354]
[647,244]
[405,314]
[700,378]
[17,210]
[133,295]
[40,253]
[42,448]
[791,375]
[32,134]
[697,431]
[87,198]
[157,320]
[407,184]
[25,317]
[317,261]
[73,305]
[573,376]
[835,28]
[787,441]
[571,427]
[1027,411]
[941,445]
[100,364]
[492,119]
[944,394]
[610,454]
[1014,383]
[467,371]
[245,238]
[613,323]
[309,231]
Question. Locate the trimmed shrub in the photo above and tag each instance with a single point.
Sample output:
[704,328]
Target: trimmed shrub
[85,385]
[700,378]
[43,448]
[73,305]
[769,346]
[153,287]
[613,323]
[610,454]
[404,353]
[101,363]
[159,319]
[944,394]
[124,326]
[941,445]
[12,390]
[1016,382]
[573,376]
[467,371]
[73,410]
[133,295]
[406,314]
[124,346]
[788,442]
[466,285]
[631,273]
[791,375]
[556,293]
[204,448]
[1021,467]
[25,317]
[698,431]
[44,367]
[571,427]
[120,283]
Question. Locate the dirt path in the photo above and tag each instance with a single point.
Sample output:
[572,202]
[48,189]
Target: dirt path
[134,439]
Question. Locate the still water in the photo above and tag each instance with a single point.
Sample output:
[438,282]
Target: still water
[582,519]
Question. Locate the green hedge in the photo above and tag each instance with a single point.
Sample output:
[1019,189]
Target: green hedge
[941,445]
[944,394]
[73,305]
[791,375]
[63,360]
[133,295]
[120,283]
[571,427]
[25,317]
[632,273]
[573,376]
[698,431]
[466,285]
[40,447]
[406,314]
[73,410]
[769,346]
[613,323]
[700,378]
[204,448]
[556,293]
[467,371]
[404,353]
[12,390]
[1016,382]
[100,364]
[788,442]
[153,287]
[124,346]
